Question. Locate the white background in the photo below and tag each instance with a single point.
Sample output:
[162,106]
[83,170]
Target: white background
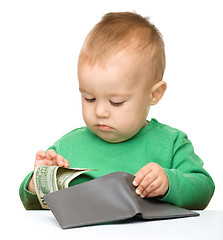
[40,101]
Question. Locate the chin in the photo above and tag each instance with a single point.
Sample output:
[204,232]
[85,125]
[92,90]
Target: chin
[114,140]
[109,139]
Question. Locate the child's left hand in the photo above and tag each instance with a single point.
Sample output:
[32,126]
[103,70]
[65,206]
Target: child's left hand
[151,180]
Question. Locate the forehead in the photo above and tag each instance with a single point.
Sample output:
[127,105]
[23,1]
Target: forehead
[122,70]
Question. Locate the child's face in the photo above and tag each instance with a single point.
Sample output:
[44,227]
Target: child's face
[115,99]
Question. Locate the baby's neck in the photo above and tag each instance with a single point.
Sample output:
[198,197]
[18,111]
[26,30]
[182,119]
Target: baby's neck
[145,124]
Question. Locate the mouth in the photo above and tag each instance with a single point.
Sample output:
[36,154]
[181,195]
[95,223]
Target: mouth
[104,127]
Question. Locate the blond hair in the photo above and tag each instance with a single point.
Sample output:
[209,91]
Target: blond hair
[119,30]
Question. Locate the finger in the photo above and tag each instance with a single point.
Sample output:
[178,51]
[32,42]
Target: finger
[51,154]
[152,189]
[160,191]
[49,162]
[40,154]
[60,160]
[147,181]
[66,164]
[155,193]
[43,162]
[139,176]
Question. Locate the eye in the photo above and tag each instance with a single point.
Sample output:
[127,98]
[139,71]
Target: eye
[116,104]
[90,100]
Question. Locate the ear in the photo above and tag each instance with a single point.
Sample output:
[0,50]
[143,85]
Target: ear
[157,92]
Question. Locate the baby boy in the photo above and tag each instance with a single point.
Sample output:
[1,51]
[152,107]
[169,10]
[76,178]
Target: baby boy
[120,72]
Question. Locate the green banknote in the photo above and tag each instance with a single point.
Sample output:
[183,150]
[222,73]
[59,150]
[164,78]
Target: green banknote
[49,179]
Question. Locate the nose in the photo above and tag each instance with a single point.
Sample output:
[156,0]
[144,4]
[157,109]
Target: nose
[101,110]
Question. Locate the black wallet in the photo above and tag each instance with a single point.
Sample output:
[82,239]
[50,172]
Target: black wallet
[108,198]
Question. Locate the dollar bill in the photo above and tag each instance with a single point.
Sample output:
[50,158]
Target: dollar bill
[49,179]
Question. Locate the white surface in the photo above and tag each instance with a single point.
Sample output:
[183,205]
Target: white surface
[39,46]
[43,225]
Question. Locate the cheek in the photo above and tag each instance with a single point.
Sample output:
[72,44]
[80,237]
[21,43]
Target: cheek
[132,110]
[86,111]
[132,114]
[125,116]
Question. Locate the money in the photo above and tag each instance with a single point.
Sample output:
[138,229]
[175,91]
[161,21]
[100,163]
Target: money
[49,179]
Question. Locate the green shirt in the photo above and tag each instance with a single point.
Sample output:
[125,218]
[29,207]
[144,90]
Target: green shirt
[190,186]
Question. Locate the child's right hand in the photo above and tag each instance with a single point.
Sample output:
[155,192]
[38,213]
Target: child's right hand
[49,158]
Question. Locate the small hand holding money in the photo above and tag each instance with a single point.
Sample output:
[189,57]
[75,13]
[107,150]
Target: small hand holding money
[51,173]
[50,158]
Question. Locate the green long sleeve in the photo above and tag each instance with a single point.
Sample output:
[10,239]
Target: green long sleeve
[190,185]
[29,200]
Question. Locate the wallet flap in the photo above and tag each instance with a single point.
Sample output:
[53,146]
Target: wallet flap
[108,198]
[104,199]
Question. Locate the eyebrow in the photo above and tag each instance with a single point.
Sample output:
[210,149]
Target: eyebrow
[110,95]
[119,95]
[81,90]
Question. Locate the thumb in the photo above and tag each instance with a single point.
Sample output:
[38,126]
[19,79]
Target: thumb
[40,155]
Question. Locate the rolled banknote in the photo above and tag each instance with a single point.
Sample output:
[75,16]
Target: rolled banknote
[49,179]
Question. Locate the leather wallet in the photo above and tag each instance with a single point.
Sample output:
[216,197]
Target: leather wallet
[108,198]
